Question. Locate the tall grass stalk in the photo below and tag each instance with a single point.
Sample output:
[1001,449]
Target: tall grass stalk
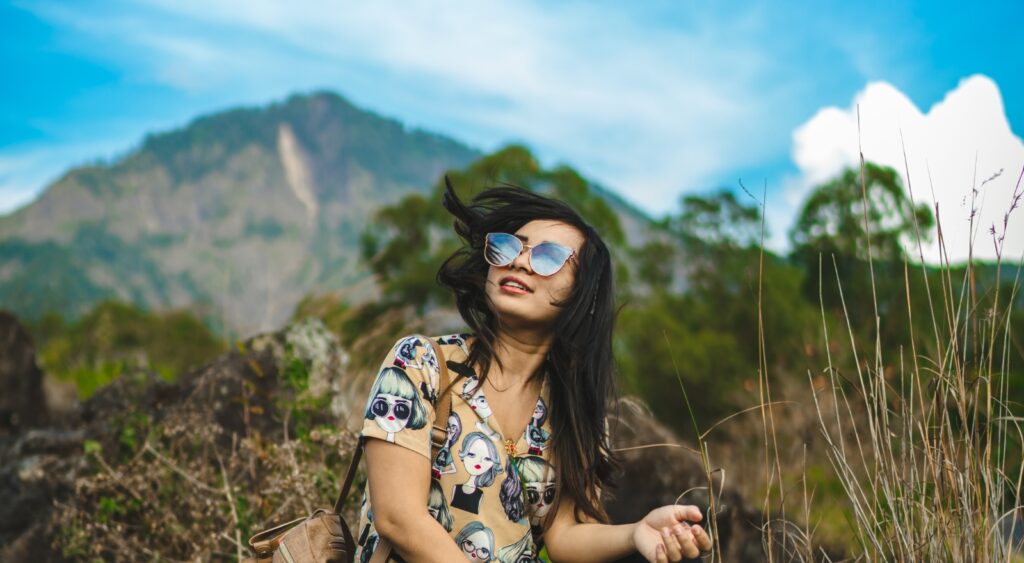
[930,460]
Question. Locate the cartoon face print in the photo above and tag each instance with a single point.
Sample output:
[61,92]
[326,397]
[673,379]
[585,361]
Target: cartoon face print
[391,412]
[476,547]
[540,495]
[539,484]
[479,404]
[476,542]
[480,458]
[520,552]
[394,403]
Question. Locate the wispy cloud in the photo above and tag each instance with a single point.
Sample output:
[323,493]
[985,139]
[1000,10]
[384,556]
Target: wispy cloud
[652,111]
[651,99]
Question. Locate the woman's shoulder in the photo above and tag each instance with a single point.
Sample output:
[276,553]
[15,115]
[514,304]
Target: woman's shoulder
[415,350]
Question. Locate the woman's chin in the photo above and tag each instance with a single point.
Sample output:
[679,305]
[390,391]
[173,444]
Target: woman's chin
[515,318]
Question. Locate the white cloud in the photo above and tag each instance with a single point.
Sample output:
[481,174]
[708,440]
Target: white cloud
[956,146]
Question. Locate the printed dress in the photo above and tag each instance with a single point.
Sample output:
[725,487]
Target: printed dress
[487,491]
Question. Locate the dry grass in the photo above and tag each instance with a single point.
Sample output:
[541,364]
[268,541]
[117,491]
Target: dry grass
[925,455]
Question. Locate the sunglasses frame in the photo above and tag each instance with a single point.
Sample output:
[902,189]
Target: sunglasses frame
[523,247]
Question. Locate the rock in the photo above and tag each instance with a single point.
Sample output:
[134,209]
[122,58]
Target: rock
[22,403]
[661,469]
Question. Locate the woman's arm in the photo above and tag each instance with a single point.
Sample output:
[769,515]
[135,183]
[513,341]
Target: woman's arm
[399,481]
[663,535]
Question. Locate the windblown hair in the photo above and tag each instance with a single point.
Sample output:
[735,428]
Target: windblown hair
[579,363]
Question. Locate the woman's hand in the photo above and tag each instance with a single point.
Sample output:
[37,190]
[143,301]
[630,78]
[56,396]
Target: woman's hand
[666,534]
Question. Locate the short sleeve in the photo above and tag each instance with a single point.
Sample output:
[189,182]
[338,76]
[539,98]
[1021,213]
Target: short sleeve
[400,407]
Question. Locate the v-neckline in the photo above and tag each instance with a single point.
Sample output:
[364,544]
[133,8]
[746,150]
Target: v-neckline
[496,426]
[520,443]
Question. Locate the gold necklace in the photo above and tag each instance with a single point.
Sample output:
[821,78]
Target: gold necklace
[493,386]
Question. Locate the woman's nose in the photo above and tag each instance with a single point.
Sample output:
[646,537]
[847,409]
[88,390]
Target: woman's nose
[523,261]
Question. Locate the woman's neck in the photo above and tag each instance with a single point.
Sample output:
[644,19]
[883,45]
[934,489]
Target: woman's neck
[521,354]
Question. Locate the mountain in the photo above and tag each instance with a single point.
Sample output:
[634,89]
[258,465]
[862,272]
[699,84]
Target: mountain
[239,214]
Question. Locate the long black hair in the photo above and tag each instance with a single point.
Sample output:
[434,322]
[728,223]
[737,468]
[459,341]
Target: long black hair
[579,362]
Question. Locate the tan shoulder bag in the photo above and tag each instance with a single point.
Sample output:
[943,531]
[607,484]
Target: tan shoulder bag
[323,536]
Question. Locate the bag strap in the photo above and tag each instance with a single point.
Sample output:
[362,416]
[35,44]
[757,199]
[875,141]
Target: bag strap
[438,433]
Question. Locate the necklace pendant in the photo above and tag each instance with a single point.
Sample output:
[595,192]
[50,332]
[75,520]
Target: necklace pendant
[510,448]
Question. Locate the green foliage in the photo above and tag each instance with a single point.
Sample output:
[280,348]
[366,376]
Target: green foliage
[718,221]
[660,352]
[46,278]
[115,337]
[840,216]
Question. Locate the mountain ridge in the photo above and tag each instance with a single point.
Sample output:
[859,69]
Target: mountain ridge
[238,214]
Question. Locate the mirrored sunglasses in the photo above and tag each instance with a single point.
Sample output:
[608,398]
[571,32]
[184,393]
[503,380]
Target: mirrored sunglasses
[546,258]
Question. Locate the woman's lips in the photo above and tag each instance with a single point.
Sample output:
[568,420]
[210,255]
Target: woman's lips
[477,466]
[519,288]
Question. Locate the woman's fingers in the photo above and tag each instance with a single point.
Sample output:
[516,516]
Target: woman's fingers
[659,554]
[684,538]
[701,537]
[672,547]
[688,513]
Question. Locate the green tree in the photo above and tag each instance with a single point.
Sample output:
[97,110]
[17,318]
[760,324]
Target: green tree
[115,336]
[708,334]
[837,225]
[841,216]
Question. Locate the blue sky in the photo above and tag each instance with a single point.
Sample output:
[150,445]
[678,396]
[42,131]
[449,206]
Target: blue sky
[652,99]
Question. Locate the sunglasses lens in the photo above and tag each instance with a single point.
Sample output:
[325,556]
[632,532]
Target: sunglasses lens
[402,411]
[502,249]
[548,258]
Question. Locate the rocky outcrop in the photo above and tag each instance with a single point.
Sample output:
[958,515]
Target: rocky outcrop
[22,404]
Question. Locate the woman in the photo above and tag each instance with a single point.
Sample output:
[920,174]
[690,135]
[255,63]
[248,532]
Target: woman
[531,384]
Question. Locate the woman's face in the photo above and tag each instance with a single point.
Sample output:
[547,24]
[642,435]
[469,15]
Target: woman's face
[532,304]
